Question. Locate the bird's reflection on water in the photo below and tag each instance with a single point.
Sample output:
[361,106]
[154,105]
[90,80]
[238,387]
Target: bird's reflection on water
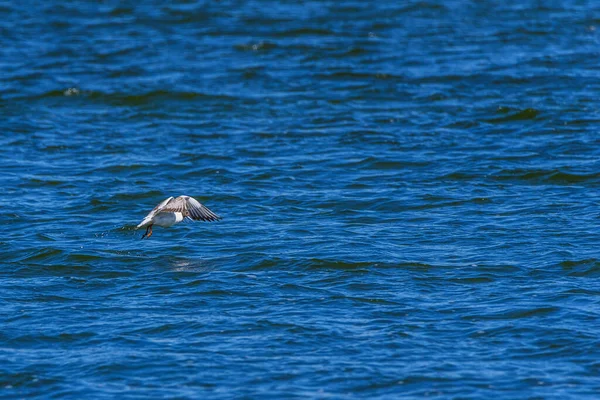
[190,265]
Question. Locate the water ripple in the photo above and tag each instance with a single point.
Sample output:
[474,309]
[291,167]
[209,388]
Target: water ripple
[408,192]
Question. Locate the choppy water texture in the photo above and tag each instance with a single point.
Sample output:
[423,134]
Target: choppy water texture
[409,192]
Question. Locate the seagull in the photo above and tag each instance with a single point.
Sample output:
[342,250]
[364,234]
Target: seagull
[174,210]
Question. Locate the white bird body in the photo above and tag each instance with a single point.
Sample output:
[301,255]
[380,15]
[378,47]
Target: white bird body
[174,210]
[164,219]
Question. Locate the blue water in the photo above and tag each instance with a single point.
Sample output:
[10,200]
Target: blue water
[409,193]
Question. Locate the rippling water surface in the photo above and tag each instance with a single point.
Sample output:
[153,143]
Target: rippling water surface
[409,193]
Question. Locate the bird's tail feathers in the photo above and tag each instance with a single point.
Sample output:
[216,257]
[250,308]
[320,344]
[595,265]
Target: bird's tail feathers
[144,223]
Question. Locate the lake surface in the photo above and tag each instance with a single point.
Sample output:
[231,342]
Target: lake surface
[409,193]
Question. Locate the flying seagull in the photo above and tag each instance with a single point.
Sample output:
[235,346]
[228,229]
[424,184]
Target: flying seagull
[174,210]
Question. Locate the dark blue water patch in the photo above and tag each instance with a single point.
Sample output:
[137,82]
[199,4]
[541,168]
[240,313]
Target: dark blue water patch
[408,194]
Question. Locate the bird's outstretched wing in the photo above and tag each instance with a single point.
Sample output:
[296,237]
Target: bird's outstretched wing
[190,208]
[158,208]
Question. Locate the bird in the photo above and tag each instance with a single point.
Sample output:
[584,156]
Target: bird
[174,210]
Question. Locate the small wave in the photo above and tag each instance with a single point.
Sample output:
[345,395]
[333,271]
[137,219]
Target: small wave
[42,254]
[353,76]
[545,176]
[514,314]
[49,182]
[515,115]
[134,99]
[317,263]
[472,281]
[529,176]
[66,338]
[156,95]
[582,268]
[121,11]
[373,163]
[308,31]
